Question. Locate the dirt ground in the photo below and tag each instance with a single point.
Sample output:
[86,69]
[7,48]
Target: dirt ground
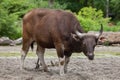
[78,69]
[107,68]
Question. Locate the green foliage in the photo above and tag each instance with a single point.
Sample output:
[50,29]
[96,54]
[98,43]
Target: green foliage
[74,6]
[56,5]
[90,18]
[7,21]
[118,23]
[113,28]
[10,22]
[115,8]
[100,5]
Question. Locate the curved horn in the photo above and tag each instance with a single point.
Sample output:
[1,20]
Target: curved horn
[79,34]
[100,32]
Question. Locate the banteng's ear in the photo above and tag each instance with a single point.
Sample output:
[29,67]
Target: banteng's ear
[101,40]
[74,36]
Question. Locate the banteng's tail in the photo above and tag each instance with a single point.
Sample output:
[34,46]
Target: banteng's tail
[32,45]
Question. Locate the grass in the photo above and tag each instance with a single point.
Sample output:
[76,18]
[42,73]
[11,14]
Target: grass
[52,54]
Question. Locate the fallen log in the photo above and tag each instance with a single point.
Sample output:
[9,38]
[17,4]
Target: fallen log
[108,38]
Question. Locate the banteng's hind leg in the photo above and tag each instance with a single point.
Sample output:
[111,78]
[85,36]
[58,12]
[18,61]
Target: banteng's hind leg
[40,53]
[38,64]
[25,47]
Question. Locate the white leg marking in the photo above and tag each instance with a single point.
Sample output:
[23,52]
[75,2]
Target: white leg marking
[61,66]
[41,58]
[67,59]
[23,55]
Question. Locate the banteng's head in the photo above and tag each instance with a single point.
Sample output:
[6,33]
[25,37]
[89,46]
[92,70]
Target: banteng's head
[88,42]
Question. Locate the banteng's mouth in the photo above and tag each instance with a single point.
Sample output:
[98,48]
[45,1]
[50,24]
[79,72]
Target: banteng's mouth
[91,58]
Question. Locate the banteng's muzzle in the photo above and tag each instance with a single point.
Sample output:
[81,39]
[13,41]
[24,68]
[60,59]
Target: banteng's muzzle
[90,56]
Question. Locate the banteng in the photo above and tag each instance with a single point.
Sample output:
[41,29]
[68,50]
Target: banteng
[56,29]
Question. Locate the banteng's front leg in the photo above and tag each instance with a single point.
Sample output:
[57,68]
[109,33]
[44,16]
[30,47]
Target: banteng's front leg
[63,63]
[63,58]
[40,53]
[67,59]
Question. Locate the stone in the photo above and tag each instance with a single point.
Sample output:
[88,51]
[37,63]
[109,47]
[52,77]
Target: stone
[18,41]
[5,41]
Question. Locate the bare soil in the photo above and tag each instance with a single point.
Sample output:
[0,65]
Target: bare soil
[78,69]
[107,68]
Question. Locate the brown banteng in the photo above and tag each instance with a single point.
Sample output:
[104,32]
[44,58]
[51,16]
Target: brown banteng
[56,29]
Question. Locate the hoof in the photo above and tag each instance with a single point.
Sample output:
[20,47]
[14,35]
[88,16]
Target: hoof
[45,70]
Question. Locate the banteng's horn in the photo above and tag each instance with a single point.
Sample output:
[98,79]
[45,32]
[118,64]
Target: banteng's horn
[79,34]
[83,34]
[100,32]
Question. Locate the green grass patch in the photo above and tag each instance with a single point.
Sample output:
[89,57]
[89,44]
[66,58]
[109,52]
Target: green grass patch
[52,54]
[9,54]
[107,54]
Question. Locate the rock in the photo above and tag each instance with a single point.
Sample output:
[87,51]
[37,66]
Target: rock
[5,41]
[18,41]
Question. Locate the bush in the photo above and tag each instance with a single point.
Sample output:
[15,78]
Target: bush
[8,24]
[118,23]
[58,6]
[90,18]
[11,12]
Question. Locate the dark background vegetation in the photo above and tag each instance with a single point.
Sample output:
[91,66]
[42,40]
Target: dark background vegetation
[90,13]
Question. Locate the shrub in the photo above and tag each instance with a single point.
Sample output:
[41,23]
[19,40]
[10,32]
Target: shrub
[118,23]
[90,18]
[10,13]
